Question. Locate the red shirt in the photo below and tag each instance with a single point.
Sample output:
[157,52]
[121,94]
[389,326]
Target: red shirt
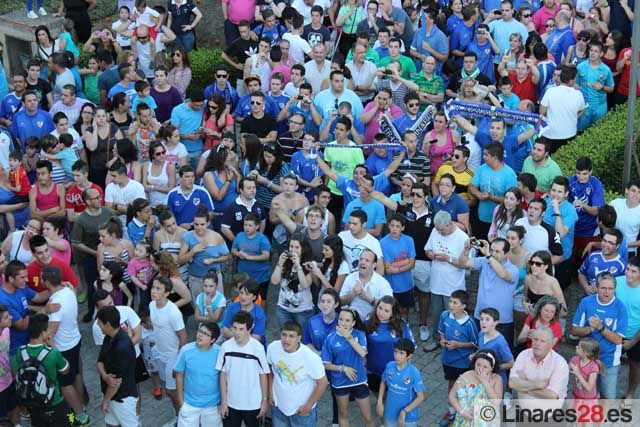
[525,89]
[525,203]
[74,197]
[555,327]
[34,271]
[625,74]
[20,177]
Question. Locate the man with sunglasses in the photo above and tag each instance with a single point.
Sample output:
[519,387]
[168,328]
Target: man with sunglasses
[606,259]
[548,11]
[561,38]
[222,87]
[259,123]
[244,108]
[458,168]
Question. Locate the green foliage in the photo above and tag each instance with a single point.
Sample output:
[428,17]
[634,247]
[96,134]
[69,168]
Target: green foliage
[604,144]
[203,63]
[610,195]
[104,8]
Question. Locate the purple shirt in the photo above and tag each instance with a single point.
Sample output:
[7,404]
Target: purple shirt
[165,101]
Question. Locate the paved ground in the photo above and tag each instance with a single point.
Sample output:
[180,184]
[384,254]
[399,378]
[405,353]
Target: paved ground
[157,413]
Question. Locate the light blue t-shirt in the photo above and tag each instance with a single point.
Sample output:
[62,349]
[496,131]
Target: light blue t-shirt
[201,383]
[136,100]
[188,121]
[494,182]
[67,158]
[631,299]
[500,346]
[501,32]
[494,291]
[402,386]
[337,350]
[587,75]
[398,250]
[373,208]
[461,330]
[258,270]
[197,267]
[569,219]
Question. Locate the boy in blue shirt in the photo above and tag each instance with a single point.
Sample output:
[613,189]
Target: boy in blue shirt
[401,388]
[252,248]
[247,294]
[65,153]
[509,99]
[143,94]
[399,256]
[490,338]
[458,337]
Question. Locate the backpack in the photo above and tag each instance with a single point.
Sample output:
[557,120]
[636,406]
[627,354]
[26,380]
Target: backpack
[34,389]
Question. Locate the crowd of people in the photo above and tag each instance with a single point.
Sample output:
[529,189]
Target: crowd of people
[359,157]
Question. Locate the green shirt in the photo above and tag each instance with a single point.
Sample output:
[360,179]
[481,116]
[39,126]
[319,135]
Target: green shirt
[343,161]
[407,64]
[544,174]
[91,91]
[371,56]
[54,363]
[433,86]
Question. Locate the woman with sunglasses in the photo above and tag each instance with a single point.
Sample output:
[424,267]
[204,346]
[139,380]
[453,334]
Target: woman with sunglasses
[519,257]
[549,26]
[343,354]
[180,73]
[440,142]
[506,213]
[158,175]
[221,181]
[525,15]
[579,52]
[216,120]
[540,281]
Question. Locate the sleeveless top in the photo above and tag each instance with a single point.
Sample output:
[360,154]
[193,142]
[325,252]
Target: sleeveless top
[49,200]
[263,71]
[575,59]
[156,197]
[174,248]
[533,297]
[116,293]
[123,126]
[124,255]
[103,152]
[187,309]
[436,152]
[18,252]
[228,199]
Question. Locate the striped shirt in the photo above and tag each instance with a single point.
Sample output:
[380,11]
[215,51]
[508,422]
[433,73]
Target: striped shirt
[419,166]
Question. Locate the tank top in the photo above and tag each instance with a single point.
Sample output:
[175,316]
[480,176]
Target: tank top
[174,248]
[18,252]
[533,297]
[575,59]
[101,155]
[49,200]
[263,71]
[436,152]
[156,197]
[117,294]
[231,195]
[123,255]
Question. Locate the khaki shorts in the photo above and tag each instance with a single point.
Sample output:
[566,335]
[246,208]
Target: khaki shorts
[422,275]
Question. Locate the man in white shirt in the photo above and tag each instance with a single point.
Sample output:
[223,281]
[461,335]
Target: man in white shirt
[68,103]
[363,288]
[64,76]
[298,47]
[122,190]
[356,239]
[363,73]
[318,69]
[562,105]
[294,400]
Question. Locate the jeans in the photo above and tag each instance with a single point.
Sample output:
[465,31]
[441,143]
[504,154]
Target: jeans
[30,4]
[90,267]
[281,420]
[285,316]
[186,40]
[437,305]
[194,157]
[608,382]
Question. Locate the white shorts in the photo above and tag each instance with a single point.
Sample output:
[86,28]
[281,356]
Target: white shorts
[422,275]
[123,413]
[190,416]
[165,370]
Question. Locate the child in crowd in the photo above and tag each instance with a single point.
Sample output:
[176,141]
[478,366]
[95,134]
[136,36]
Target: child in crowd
[509,99]
[143,94]
[144,15]
[31,157]
[210,303]
[148,343]
[65,40]
[458,337]
[401,389]
[490,338]
[140,271]
[399,256]
[110,280]
[64,153]
[252,248]
[586,366]
[305,166]
[9,408]
[19,184]
[90,76]
[123,27]
[248,294]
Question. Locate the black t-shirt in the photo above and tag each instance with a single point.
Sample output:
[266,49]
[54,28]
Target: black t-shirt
[315,37]
[119,358]
[288,145]
[260,127]
[418,228]
[234,214]
[241,49]
[41,88]
[456,81]
[181,15]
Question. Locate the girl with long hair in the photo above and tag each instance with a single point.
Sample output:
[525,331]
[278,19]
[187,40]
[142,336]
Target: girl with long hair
[251,152]
[216,120]
[270,170]
[166,267]
[121,112]
[221,181]
[334,269]
[100,138]
[540,281]
[110,279]
[169,237]
[141,223]
[176,153]
[125,151]
[179,75]
[506,213]
[158,175]
[113,247]
[47,46]
[52,229]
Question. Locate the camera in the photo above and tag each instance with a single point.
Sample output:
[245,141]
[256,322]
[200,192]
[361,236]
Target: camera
[476,243]
[300,97]
[497,12]
[388,72]
[288,254]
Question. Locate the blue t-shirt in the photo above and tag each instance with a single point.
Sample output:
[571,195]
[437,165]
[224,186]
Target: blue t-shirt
[201,379]
[373,208]
[184,206]
[306,168]
[587,76]
[243,109]
[456,205]
[118,88]
[136,100]
[614,318]
[462,330]
[595,264]
[569,219]
[436,39]
[10,105]
[258,270]
[493,182]
[377,164]
[558,43]
[592,193]
[500,346]
[136,230]
[514,153]
[188,121]
[316,331]
[380,346]
[494,291]
[338,351]
[18,306]
[461,38]
[402,387]
[259,319]
[197,267]
[25,126]
[398,250]
[350,191]
[631,299]
[511,102]
[485,58]
[404,122]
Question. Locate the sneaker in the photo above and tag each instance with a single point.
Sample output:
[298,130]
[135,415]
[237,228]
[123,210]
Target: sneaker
[430,346]
[82,297]
[508,400]
[157,393]
[424,333]
[32,15]
[82,421]
[447,418]
[42,12]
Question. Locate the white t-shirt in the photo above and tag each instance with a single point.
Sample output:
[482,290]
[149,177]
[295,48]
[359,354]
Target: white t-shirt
[352,248]
[124,195]
[129,320]
[298,46]
[243,366]
[120,39]
[147,17]
[5,149]
[294,376]
[377,286]
[68,335]
[314,76]
[166,322]
[178,152]
[445,277]
[628,221]
[536,238]
[563,104]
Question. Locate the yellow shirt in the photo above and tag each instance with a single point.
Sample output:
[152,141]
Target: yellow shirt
[463,179]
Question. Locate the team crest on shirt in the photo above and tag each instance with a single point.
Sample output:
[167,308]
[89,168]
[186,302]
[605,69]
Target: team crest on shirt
[613,270]
[609,322]
[456,333]
[406,380]
[238,216]
[588,191]
[196,201]
[40,123]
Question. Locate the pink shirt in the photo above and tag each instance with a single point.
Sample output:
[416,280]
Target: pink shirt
[373,127]
[240,9]
[553,368]
[540,18]
[5,366]
[64,256]
[586,371]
